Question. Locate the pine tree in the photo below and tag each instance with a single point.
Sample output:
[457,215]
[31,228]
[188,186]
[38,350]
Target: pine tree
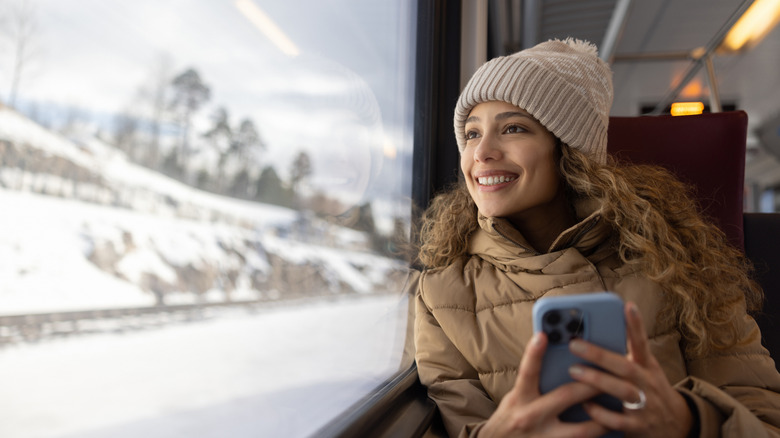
[271,190]
[246,138]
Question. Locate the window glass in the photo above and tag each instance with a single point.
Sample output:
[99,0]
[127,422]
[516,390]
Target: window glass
[205,210]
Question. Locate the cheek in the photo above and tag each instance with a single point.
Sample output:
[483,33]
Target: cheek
[546,171]
[465,168]
[551,178]
[465,163]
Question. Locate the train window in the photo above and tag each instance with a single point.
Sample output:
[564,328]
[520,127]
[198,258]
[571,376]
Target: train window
[205,206]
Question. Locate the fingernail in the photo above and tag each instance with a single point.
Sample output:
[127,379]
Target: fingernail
[536,339]
[576,370]
[577,346]
[633,308]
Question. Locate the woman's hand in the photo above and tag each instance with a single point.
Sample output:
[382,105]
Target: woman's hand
[665,412]
[524,412]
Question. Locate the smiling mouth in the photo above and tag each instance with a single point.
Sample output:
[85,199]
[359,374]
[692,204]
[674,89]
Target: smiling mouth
[494,180]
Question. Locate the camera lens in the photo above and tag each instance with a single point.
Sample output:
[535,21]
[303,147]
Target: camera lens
[552,317]
[554,337]
[574,327]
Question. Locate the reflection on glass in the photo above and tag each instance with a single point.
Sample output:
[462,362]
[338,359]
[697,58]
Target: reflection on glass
[204,204]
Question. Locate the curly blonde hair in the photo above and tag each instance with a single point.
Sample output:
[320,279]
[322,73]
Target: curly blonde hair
[659,228]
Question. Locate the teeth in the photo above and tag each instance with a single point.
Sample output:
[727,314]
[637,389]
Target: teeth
[493,180]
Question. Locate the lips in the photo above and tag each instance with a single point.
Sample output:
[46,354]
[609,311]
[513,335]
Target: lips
[494,180]
[493,177]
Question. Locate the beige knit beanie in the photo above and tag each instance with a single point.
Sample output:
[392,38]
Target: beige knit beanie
[563,84]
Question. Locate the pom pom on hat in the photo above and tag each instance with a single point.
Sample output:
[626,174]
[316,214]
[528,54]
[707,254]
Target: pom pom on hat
[563,84]
[582,46]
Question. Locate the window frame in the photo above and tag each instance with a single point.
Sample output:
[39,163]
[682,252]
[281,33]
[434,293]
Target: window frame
[401,407]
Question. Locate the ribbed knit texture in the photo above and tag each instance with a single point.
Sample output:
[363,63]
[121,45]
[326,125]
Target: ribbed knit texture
[563,84]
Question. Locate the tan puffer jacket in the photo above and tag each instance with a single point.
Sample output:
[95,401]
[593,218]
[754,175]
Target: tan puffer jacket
[473,321]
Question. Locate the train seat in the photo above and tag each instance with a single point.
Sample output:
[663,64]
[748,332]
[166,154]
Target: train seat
[708,152]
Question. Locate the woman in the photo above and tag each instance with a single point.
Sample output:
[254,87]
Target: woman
[541,212]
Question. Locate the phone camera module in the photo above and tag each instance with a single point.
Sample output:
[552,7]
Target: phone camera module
[553,317]
[563,325]
[554,337]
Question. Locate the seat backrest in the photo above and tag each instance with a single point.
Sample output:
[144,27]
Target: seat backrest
[706,151]
[762,234]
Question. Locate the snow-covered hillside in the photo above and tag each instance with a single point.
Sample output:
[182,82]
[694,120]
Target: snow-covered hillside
[83,228]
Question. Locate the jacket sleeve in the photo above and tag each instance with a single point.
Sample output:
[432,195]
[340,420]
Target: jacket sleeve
[736,392]
[451,381]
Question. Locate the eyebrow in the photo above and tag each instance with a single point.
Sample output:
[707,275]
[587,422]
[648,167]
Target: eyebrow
[503,116]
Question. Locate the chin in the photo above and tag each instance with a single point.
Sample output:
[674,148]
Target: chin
[488,212]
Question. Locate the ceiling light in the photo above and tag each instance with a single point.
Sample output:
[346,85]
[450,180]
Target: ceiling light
[264,23]
[752,26]
[687,108]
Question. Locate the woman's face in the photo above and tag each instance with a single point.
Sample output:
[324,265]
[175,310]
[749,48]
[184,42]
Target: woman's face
[509,163]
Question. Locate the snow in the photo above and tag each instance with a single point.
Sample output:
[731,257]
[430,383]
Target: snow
[41,259]
[137,263]
[18,129]
[280,372]
[283,370]
[47,241]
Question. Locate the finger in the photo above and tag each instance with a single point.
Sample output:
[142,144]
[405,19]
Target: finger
[570,394]
[638,346]
[563,397]
[583,429]
[608,360]
[527,382]
[610,419]
[604,382]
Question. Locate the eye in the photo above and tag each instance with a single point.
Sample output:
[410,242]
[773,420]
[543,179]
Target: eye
[515,129]
[471,134]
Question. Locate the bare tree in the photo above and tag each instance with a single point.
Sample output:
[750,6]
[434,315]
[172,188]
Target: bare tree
[160,82]
[21,29]
[75,118]
[150,108]
[126,128]
[189,93]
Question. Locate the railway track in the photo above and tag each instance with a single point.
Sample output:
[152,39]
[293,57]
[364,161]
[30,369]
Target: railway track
[38,326]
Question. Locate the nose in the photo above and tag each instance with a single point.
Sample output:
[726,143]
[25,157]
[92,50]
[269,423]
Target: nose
[487,149]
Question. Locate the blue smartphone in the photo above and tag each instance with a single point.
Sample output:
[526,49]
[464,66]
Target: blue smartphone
[595,317]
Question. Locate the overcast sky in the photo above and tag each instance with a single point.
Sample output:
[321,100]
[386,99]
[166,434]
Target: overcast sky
[352,67]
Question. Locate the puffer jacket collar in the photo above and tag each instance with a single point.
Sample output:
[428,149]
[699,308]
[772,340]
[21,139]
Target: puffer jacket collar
[499,242]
